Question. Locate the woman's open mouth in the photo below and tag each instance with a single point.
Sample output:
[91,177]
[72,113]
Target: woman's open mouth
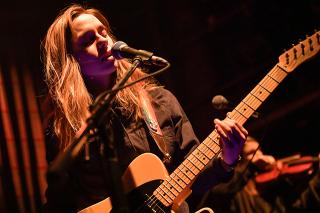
[105,57]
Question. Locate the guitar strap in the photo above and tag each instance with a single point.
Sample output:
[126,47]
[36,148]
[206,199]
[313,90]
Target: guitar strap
[153,125]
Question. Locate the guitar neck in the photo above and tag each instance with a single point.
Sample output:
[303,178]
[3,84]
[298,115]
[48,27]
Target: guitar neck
[258,95]
[185,174]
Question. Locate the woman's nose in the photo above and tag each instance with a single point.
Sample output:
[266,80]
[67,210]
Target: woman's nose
[101,39]
[102,47]
[102,42]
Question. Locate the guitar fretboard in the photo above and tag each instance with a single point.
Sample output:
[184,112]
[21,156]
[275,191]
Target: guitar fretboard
[185,174]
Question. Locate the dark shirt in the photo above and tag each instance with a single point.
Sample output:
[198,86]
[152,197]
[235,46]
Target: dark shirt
[87,181]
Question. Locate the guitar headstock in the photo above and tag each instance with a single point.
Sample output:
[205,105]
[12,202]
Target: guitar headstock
[301,52]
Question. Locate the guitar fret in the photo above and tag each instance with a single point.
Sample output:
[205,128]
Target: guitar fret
[208,146]
[171,186]
[196,162]
[236,111]
[204,149]
[278,73]
[193,166]
[163,195]
[272,78]
[203,157]
[174,184]
[183,176]
[171,189]
[167,191]
[197,155]
[236,116]
[215,145]
[257,97]
[212,148]
[281,68]
[210,143]
[186,171]
[260,92]
[214,138]
[201,152]
[245,109]
[189,165]
[214,135]
[177,179]
[252,101]
[244,103]
[269,84]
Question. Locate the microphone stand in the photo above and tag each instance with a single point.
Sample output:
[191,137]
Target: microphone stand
[109,151]
[99,114]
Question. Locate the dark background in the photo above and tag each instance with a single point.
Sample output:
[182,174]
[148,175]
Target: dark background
[214,46]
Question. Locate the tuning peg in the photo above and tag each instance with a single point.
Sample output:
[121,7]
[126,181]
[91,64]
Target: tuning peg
[287,58]
[302,47]
[294,51]
[318,37]
[310,44]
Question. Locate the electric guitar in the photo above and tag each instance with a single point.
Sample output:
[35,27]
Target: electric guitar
[146,182]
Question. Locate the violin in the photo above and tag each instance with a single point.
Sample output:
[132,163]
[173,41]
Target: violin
[289,166]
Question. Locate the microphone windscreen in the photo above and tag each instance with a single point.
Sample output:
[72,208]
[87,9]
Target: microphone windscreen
[116,49]
[219,102]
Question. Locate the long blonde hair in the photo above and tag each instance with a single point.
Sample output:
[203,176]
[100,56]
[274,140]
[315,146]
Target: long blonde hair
[68,94]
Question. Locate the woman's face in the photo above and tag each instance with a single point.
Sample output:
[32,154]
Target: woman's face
[91,47]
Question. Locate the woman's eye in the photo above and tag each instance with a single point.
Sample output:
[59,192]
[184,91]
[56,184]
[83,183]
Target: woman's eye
[86,43]
[88,40]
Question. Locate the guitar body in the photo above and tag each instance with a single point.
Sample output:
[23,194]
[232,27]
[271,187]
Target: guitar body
[144,174]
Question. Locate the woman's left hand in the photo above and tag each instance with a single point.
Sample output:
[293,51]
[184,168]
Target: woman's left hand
[232,138]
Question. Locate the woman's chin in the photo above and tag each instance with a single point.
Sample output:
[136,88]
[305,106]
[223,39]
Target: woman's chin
[98,69]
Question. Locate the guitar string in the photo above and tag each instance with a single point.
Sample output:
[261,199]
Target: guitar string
[150,207]
[153,201]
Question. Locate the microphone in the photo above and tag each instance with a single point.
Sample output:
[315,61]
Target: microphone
[220,103]
[121,50]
